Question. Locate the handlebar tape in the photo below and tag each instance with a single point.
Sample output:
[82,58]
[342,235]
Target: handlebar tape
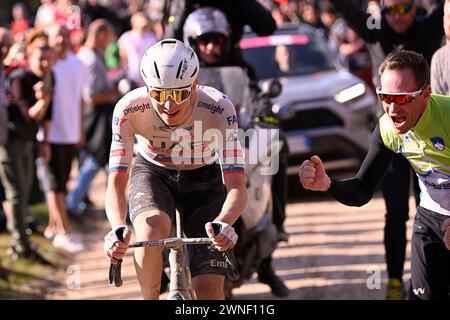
[115,273]
[115,270]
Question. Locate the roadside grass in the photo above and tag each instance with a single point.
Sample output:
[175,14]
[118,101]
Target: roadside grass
[27,279]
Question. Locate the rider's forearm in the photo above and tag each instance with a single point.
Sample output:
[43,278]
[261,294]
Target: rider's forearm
[235,203]
[358,190]
[350,192]
[115,200]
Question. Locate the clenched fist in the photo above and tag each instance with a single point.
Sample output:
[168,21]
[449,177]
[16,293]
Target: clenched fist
[312,175]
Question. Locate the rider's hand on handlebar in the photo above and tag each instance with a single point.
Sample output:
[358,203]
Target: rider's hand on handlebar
[446,230]
[312,175]
[114,247]
[225,239]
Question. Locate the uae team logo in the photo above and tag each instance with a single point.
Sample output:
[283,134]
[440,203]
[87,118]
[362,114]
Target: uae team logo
[438,143]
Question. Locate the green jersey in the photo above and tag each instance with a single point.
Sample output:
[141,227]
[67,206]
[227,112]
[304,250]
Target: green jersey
[427,147]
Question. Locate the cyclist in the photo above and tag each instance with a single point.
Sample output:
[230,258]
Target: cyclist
[182,128]
[416,125]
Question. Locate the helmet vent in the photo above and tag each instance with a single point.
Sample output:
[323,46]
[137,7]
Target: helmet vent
[179,69]
[168,42]
[193,73]
[156,70]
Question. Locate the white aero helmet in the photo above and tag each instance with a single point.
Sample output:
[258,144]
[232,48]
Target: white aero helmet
[169,64]
[205,20]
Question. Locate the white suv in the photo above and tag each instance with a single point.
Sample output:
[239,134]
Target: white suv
[323,108]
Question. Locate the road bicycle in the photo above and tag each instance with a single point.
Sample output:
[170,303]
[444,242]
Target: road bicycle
[180,275]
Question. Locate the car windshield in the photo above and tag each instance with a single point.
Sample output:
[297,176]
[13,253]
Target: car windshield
[286,55]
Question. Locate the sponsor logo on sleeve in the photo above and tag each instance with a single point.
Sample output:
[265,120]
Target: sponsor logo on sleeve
[211,107]
[117,153]
[232,120]
[138,108]
[118,121]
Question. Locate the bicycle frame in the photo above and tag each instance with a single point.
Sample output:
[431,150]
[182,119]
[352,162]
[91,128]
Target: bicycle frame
[180,275]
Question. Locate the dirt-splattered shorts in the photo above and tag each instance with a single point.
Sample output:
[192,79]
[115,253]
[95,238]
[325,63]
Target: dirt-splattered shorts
[197,194]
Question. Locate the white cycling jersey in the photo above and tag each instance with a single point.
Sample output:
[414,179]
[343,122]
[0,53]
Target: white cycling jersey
[210,134]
